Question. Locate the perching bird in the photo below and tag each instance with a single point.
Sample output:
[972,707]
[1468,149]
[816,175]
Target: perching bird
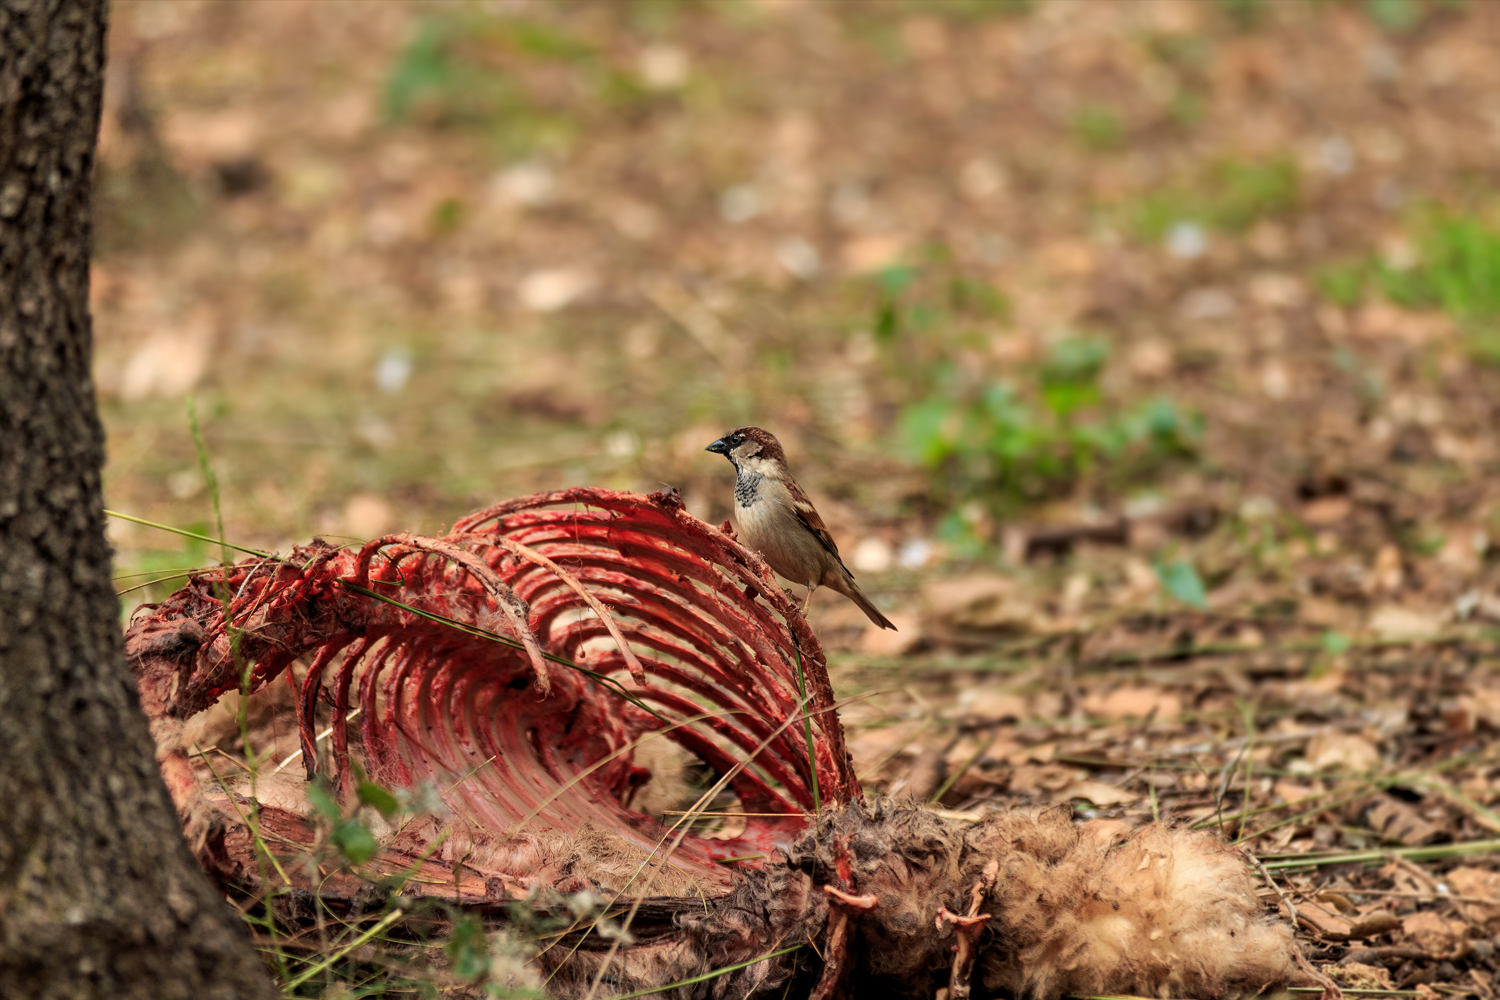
[774,517]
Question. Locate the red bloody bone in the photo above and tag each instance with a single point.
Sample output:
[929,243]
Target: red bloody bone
[439,702]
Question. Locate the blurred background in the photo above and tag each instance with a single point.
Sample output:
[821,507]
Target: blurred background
[1060,307]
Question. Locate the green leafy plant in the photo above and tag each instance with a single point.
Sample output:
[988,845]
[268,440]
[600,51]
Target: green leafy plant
[1098,128]
[353,840]
[1457,270]
[1403,15]
[1231,195]
[465,68]
[995,445]
[1181,580]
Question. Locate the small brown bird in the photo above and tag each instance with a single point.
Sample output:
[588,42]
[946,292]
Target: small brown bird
[774,517]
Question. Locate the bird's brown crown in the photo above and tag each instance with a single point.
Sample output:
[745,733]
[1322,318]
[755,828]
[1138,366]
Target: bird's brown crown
[769,448]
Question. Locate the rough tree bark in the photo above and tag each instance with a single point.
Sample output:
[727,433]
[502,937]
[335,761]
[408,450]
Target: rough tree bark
[99,895]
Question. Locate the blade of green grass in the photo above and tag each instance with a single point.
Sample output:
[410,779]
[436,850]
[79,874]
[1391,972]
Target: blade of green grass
[191,534]
[208,476]
[1379,857]
[953,778]
[812,758]
[306,974]
[705,977]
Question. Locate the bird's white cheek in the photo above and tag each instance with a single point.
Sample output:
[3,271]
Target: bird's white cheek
[761,466]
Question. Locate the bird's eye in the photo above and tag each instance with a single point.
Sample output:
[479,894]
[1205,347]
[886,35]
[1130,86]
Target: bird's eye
[737,439]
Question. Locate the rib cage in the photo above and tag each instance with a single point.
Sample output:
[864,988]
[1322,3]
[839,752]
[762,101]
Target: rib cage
[543,746]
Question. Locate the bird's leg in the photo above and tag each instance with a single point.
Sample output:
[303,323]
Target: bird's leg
[808,603]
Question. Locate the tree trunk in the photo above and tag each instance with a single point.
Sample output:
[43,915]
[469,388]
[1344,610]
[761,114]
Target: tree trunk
[99,895]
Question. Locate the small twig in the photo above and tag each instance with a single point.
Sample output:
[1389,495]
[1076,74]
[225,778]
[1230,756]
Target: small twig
[321,737]
[1249,714]
[1285,899]
[1229,770]
[1321,807]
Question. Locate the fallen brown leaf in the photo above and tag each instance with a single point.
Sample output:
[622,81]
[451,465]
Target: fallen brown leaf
[1480,883]
[1323,922]
[1397,820]
[1334,751]
[979,601]
[1373,924]
[1099,793]
[1325,511]
[1437,935]
[1134,702]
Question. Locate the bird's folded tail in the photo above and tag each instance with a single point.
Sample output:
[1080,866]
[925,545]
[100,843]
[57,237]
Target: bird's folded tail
[850,589]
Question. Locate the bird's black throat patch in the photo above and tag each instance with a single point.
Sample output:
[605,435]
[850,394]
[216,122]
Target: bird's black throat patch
[747,487]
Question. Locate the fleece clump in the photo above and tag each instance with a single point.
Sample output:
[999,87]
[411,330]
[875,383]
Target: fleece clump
[1168,913]
[1165,913]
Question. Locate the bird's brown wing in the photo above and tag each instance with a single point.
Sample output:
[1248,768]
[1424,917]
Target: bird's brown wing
[808,515]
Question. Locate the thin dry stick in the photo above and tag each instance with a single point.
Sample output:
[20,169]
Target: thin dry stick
[306,974]
[1283,861]
[321,737]
[1224,788]
[1249,714]
[1275,807]
[1285,899]
[1321,807]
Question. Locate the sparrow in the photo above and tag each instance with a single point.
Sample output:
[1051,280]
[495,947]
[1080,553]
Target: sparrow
[773,516]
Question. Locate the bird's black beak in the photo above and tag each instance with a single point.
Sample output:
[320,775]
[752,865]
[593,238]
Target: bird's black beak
[719,447]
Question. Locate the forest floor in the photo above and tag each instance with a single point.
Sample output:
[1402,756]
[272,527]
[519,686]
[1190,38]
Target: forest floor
[1142,357]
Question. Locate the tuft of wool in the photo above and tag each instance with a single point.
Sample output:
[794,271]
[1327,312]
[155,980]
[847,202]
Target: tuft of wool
[1166,913]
